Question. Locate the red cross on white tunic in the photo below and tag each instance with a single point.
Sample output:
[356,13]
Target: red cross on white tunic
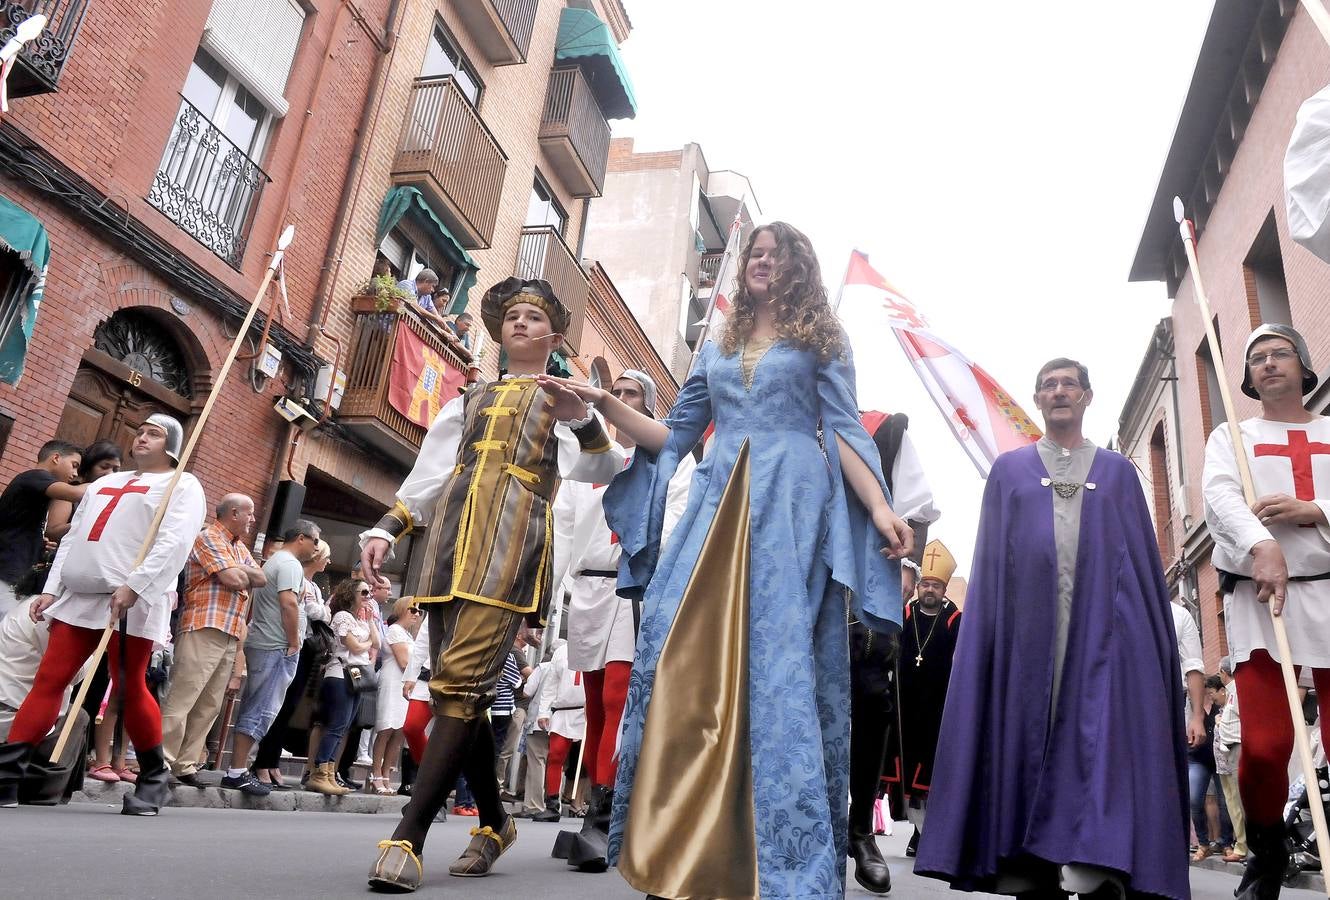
[116,494]
[1299,451]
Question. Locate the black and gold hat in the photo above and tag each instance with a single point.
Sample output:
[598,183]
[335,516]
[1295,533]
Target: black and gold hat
[538,293]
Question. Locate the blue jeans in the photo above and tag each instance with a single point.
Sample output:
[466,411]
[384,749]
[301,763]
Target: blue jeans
[337,708]
[1200,776]
[269,675]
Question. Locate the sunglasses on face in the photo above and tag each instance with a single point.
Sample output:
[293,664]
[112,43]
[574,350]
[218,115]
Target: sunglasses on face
[415,610]
[364,592]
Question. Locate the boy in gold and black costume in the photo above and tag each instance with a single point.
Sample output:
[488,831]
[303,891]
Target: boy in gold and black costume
[485,482]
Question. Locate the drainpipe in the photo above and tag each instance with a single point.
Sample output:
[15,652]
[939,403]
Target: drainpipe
[285,451]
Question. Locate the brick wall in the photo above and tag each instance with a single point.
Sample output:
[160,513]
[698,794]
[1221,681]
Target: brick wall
[109,122]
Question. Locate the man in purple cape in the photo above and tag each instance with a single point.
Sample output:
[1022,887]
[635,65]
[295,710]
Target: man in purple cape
[1061,765]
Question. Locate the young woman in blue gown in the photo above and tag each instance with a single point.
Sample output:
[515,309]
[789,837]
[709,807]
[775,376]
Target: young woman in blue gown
[734,756]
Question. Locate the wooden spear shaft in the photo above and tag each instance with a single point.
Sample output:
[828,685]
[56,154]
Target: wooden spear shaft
[1316,10]
[151,537]
[1301,740]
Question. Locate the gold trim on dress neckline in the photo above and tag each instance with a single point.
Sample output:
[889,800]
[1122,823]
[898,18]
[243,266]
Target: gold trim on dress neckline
[748,369]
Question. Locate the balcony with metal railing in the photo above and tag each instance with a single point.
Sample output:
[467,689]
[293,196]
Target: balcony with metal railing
[574,132]
[449,154]
[207,185]
[542,253]
[365,409]
[501,28]
[39,64]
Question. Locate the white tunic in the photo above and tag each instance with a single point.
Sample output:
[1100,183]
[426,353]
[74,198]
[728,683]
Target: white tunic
[105,535]
[1288,459]
[562,698]
[600,622]
[1189,641]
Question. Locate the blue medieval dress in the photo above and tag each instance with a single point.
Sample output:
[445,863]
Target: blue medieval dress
[1062,745]
[734,756]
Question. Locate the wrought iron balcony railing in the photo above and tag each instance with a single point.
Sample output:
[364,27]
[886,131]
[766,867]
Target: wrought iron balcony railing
[37,69]
[207,185]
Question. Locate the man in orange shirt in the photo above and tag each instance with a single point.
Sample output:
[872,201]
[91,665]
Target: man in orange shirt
[209,660]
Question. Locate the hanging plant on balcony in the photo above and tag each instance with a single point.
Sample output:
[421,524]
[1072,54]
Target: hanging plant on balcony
[388,297]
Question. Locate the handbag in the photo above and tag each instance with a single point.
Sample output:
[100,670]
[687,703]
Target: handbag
[362,679]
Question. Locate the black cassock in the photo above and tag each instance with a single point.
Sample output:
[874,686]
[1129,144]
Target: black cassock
[927,646]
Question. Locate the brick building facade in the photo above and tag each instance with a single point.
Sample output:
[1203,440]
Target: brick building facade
[1259,61]
[465,135]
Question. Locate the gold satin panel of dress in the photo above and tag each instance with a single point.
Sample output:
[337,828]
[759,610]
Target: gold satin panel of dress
[690,831]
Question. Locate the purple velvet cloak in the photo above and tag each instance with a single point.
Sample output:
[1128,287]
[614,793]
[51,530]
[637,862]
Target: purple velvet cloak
[1105,783]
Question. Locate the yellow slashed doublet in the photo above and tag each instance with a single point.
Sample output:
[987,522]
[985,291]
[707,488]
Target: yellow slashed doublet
[495,512]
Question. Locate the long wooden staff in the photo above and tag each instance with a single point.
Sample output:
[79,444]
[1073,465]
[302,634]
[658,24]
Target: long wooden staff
[1300,737]
[151,537]
[1322,18]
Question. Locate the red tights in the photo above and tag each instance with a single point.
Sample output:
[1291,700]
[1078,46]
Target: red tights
[1267,735]
[69,649]
[606,692]
[559,747]
[418,716]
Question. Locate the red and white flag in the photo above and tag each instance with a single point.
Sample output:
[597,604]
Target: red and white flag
[982,416]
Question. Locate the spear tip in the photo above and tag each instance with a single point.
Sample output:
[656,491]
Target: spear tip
[287,233]
[1179,211]
[30,27]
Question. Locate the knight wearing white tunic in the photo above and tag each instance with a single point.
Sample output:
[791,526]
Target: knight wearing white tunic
[97,579]
[1272,556]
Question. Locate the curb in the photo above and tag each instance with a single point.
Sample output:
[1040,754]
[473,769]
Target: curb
[278,801]
[1310,881]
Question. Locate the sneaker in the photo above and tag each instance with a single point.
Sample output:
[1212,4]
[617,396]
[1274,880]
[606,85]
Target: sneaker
[465,811]
[347,782]
[246,783]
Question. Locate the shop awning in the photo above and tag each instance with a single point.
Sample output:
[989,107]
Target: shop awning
[408,201]
[586,40]
[24,236]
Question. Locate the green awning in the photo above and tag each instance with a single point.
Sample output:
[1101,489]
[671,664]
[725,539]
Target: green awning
[408,201]
[586,40]
[24,236]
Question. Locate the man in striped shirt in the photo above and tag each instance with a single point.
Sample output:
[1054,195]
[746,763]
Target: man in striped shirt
[505,697]
[209,660]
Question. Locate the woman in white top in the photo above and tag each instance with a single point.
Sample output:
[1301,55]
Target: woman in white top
[338,700]
[390,714]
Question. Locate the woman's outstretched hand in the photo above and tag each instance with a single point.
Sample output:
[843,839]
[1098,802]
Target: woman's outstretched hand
[569,398]
[899,535]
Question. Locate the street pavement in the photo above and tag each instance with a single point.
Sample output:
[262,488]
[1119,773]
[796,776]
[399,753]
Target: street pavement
[89,850]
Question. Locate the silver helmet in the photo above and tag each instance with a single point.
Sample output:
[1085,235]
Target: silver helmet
[175,433]
[1290,334]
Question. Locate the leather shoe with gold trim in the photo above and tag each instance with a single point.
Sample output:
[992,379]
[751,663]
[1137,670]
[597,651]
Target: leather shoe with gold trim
[485,848]
[397,870]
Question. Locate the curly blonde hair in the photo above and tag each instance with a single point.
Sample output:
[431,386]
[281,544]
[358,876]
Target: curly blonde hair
[803,315]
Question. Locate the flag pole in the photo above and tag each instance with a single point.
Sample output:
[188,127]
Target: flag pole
[835,307]
[1317,11]
[150,538]
[1300,737]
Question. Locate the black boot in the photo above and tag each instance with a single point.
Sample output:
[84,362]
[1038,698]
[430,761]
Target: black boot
[551,811]
[13,766]
[153,787]
[590,846]
[912,848]
[1265,865]
[870,869]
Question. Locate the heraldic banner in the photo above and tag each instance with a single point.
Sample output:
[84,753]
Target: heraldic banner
[420,382]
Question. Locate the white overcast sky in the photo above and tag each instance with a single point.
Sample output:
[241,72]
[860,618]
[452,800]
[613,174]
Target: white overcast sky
[995,160]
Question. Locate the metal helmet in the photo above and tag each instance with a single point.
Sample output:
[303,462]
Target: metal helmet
[1290,334]
[175,433]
